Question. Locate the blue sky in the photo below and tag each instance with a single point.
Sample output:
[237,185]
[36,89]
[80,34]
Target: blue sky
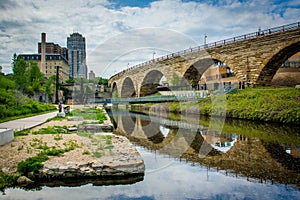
[122,33]
[131,3]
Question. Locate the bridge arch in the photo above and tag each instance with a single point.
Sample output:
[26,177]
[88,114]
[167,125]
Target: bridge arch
[128,89]
[150,83]
[114,90]
[269,70]
[213,73]
[128,123]
[193,74]
[152,130]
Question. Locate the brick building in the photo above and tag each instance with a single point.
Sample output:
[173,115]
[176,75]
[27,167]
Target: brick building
[49,57]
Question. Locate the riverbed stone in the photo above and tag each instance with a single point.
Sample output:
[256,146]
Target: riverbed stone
[95,128]
[71,129]
[23,180]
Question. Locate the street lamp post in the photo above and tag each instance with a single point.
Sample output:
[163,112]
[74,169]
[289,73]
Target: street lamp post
[57,82]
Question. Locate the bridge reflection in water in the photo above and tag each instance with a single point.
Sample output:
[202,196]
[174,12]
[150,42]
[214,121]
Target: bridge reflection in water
[259,152]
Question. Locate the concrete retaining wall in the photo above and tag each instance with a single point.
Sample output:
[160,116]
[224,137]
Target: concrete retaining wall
[6,136]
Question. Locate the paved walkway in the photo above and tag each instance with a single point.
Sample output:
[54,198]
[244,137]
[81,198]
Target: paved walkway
[29,122]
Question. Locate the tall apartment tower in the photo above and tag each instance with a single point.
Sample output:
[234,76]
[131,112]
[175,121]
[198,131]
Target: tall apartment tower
[77,55]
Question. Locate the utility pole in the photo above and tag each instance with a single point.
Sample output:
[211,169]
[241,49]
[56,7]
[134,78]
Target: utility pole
[57,84]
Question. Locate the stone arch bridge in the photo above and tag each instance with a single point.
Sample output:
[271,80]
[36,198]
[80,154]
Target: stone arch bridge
[254,59]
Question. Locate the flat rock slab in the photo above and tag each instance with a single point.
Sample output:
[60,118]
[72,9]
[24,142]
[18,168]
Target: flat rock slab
[122,160]
[95,128]
[75,118]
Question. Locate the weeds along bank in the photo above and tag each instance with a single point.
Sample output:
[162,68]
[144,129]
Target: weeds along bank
[267,104]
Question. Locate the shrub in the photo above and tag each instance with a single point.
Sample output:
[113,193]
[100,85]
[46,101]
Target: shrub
[53,152]
[23,132]
[52,130]
[31,165]
[86,152]
[97,154]
[7,180]
[100,116]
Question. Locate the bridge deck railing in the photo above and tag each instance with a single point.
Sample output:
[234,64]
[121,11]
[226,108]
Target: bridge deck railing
[176,97]
[259,33]
[187,96]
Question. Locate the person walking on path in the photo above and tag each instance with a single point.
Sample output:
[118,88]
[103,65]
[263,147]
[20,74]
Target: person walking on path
[59,107]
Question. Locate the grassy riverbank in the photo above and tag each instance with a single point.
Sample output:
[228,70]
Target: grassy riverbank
[15,105]
[267,104]
[263,104]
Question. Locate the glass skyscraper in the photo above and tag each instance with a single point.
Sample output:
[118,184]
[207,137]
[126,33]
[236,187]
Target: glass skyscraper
[77,56]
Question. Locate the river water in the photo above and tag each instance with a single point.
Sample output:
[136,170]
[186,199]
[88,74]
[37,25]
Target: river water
[191,158]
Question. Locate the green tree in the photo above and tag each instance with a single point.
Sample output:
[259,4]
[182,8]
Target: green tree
[35,77]
[20,73]
[103,81]
[27,76]
[70,81]
[50,87]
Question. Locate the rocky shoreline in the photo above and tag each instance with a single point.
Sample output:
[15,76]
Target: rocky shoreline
[98,156]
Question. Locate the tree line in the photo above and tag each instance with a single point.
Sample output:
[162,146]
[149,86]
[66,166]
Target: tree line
[18,89]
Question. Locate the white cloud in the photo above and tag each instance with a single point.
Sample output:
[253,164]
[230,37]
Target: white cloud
[136,46]
[21,23]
